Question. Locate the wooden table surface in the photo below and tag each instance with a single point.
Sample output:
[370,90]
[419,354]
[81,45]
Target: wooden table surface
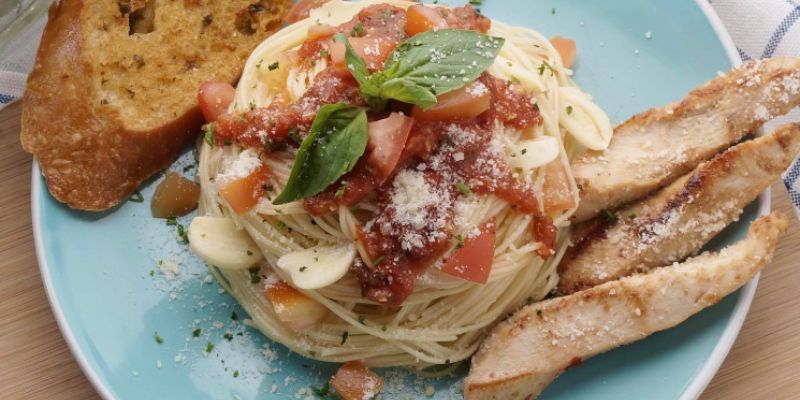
[35,362]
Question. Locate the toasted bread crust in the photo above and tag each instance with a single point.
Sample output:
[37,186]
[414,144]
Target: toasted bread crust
[90,159]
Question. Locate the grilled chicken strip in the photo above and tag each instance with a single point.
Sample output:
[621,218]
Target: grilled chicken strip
[652,149]
[680,219]
[525,353]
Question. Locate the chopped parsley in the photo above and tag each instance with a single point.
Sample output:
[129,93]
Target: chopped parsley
[609,217]
[524,150]
[183,234]
[383,327]
[249,253]
[209,347]
[236,373]
[345,334]
[362,320]
[312,353]
[569,110]
[295,136]
[322,392]
[553,11]
[340,191]
[234,315]
[280,225]
[274,66]
[544,66]
[152,272]
[172,221]
[228,336]
[377,261]
[196,332]
[137,197]
[539,313]
[303,268]
[208,136]
[254,276]
[475,2]
[358,30]
[463,188]
[159,339]
[323,53]
[459,241]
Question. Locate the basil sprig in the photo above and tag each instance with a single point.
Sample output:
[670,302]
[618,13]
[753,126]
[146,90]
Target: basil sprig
[424,66]
[336,140]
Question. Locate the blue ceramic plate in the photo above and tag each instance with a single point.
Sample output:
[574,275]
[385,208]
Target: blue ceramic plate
[111,299]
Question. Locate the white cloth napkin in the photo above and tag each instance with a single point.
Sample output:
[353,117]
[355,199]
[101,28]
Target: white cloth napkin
[760,29]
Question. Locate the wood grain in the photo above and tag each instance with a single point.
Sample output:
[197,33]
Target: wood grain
[36,364]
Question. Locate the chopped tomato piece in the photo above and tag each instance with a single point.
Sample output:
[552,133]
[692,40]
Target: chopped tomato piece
[214,98]
[320,31]
[566,48]
[298,311]
[557,190]
[473,261]
[301,10]
[465,103]
[422,19]
[243,194]
[354,381]
[374,51]
[387,138]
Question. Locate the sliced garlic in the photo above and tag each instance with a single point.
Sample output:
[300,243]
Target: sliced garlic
[529,154]
[218,242]
[584,119]
[318,267]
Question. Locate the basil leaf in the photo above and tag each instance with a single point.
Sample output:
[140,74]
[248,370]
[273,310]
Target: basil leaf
[407,91]
[439,61]
[368,86]
[338,137]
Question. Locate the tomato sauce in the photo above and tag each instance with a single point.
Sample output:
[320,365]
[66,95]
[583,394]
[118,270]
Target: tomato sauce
[449,158]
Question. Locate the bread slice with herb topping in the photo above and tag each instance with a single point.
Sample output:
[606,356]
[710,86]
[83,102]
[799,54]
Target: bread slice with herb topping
[112,98]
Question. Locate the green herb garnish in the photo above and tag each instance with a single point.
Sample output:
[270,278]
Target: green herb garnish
[362,320]
[609,217]
[196,332]
[345,334]
[335,142]
[273,66]
[463,188]
[208,136]
[234,315]
[228,336]
[137,197]
[358,30]
[459,241]
[236,373]
[377,261]
[254,276]
[569,110]
[424,66]
[209,347]
[322,392]
[303,268]
[159,339]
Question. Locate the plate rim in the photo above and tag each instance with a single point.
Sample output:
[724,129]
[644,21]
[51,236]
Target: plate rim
[691,392]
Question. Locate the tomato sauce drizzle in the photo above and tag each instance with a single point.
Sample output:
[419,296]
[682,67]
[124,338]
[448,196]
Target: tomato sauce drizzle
[438,154]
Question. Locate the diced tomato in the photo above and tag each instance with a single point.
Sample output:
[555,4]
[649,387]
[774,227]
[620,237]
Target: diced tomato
[301,10]
[387,138]
[465,103]
[558,195]
[374,51]
[354,381]
[473,261]
[298,311]
[320,31]
[566,48]
[214,98]
[422,19]
[243,194]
